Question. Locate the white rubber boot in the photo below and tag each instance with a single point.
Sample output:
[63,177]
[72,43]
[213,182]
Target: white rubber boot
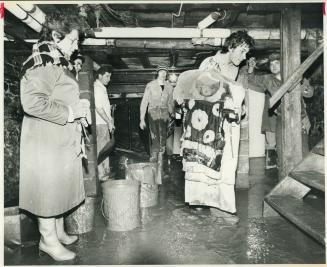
[63,237]
[49,242]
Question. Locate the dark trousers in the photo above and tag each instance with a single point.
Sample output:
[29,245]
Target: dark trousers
[158,134]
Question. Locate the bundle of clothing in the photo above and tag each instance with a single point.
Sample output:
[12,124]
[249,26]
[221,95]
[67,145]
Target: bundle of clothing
[212,106]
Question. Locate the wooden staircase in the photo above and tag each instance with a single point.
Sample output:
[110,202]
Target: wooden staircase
[287,196]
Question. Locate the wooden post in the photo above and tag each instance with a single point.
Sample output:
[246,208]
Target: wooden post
[85,80]
[296,76]
[291,145]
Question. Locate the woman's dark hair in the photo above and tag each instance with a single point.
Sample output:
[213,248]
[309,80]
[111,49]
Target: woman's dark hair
[103,70]
[77,55]
[236,39]
[63,23]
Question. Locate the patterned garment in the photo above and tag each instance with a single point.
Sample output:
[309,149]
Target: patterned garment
[43,53]
[204,135]
[210,151]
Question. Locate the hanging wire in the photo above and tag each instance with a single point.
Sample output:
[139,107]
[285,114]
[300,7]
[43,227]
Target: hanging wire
[176,15]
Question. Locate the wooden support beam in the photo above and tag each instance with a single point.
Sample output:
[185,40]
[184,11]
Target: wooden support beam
[291,145]
[296,76]
[126,88]
[145,61]
[116,60]
[90,165]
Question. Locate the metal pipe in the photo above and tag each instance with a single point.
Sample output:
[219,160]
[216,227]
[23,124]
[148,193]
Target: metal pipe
[185,33]
[113,36]
[28,13]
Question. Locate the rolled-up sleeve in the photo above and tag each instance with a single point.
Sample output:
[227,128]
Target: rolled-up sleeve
[257,83]
[97,97]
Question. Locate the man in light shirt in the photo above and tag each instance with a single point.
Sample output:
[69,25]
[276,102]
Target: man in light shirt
[104,121]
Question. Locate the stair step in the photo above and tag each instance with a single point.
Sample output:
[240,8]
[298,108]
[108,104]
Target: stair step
[301,214]
[311,178]
[320,148]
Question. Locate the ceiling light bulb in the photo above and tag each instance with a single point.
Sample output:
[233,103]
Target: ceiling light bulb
[206,22]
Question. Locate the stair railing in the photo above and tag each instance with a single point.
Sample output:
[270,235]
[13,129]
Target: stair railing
[295,78]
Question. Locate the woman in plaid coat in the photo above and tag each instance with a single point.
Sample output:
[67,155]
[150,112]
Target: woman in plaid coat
[51,181]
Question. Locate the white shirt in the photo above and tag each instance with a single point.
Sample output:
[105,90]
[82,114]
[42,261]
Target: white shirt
[101,101]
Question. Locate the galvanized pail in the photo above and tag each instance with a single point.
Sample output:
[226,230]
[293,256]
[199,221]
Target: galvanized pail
[149,195]
[145,173]
[121,204]
[82,219]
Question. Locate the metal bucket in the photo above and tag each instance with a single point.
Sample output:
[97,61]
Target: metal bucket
[12,234]
[121,204]
[148,195]
[82,219]
[19,227]
[145,173]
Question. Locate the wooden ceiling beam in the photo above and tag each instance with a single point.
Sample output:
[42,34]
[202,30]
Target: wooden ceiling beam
[145,61]
[116,61]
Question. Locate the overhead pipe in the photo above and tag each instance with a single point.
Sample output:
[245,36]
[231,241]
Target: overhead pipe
[185,33]
[30,14]
[120,37]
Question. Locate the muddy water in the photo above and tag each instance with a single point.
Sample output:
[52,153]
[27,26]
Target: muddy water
[174,233]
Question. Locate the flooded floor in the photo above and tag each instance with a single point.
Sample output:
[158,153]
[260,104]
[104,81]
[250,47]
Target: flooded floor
[174,233]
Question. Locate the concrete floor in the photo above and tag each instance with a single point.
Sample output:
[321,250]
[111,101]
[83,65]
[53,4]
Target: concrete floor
[174,233]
